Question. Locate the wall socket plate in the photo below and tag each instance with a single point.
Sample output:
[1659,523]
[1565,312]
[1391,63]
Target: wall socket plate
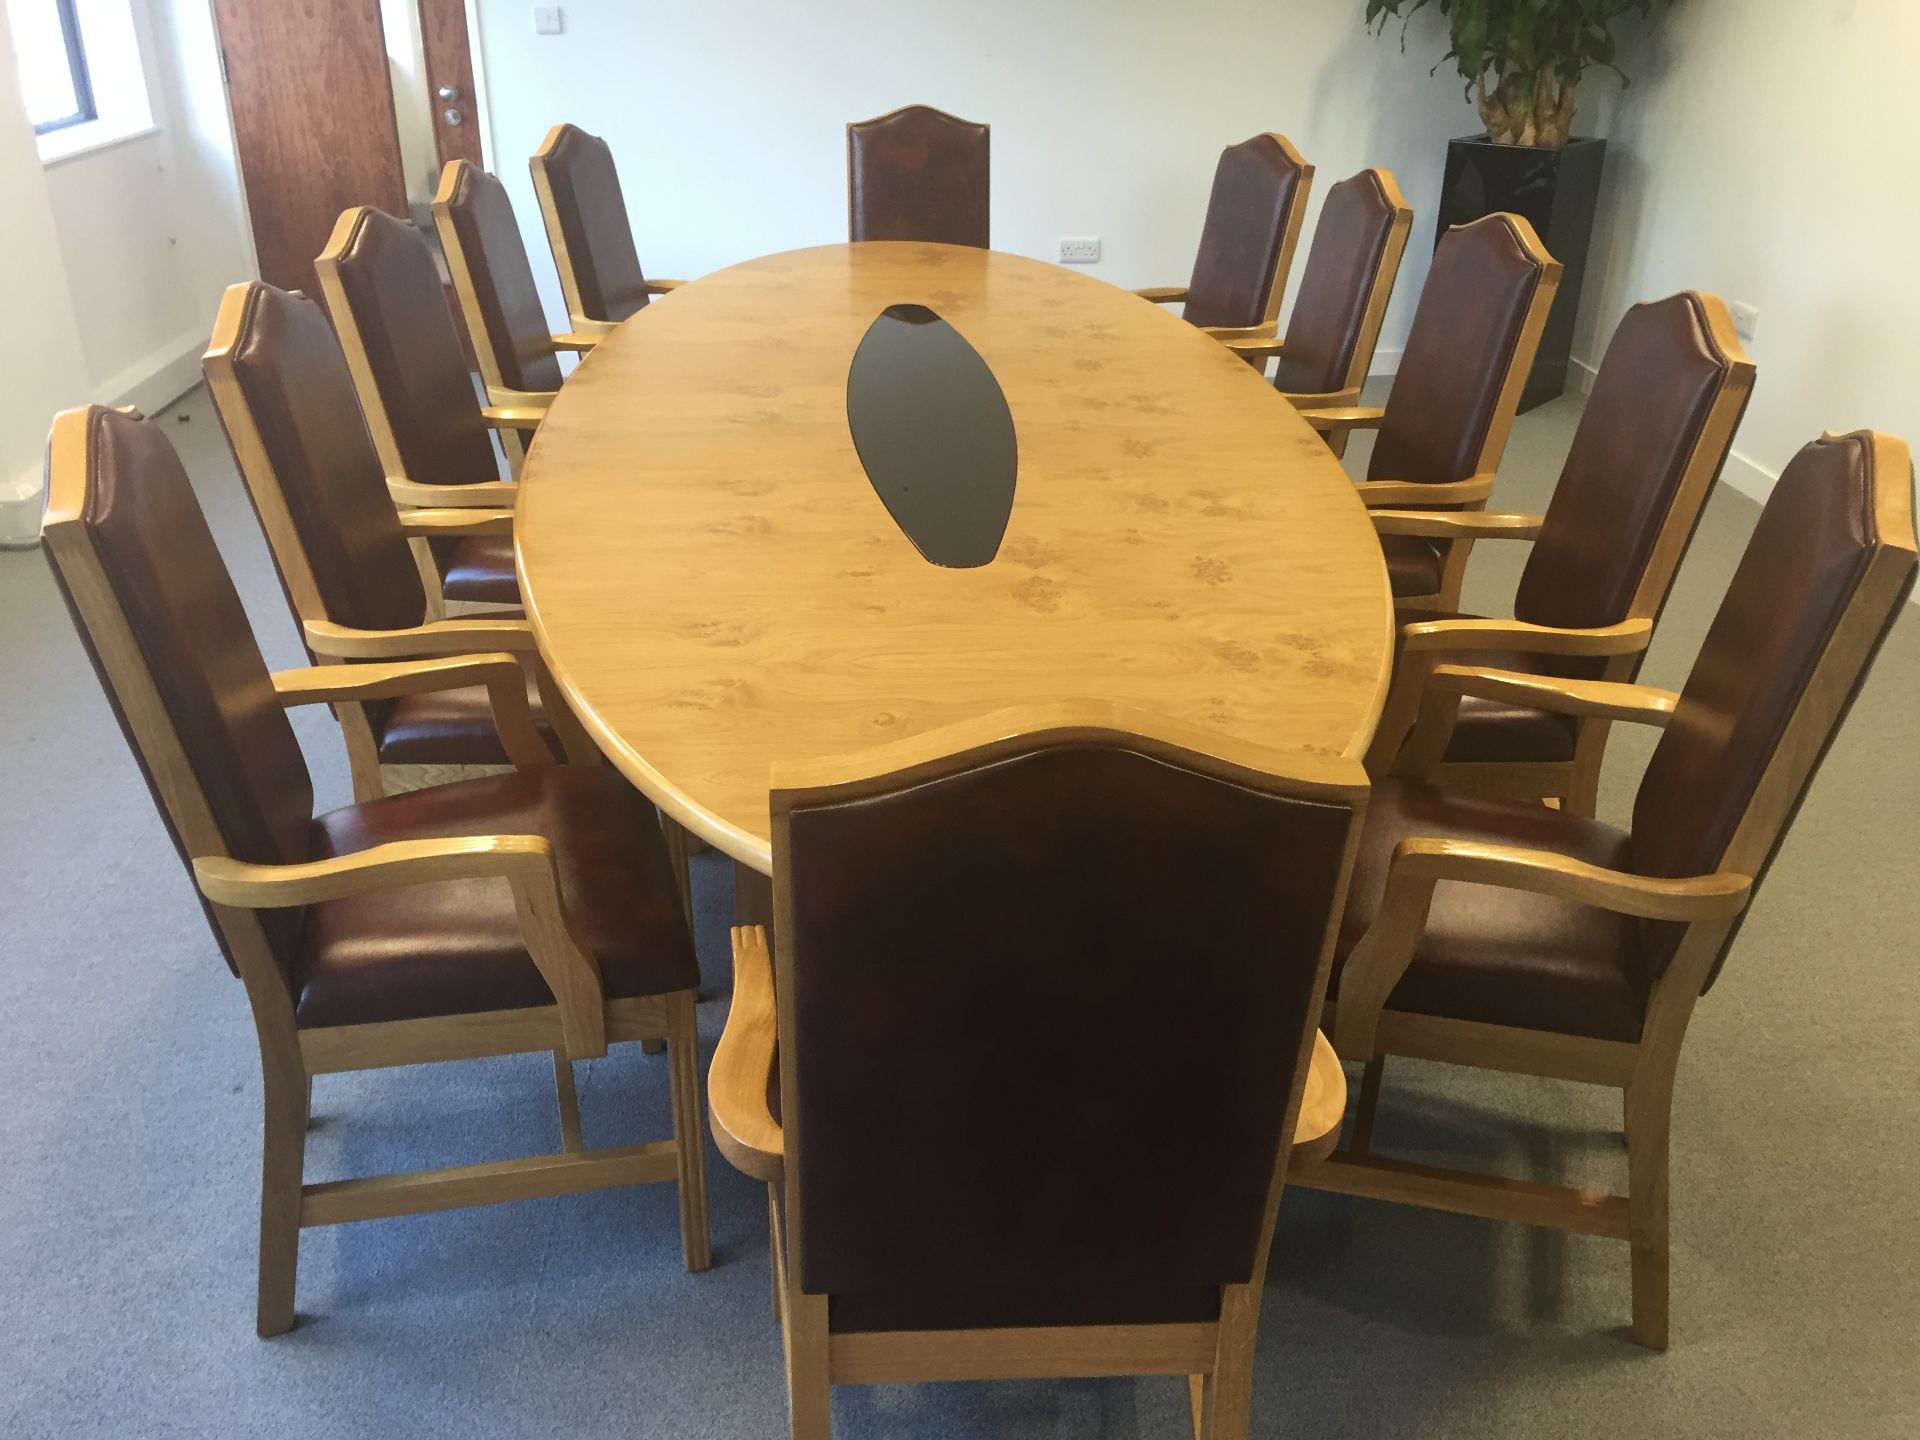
[1084,250]
[548,20]
[1746,319]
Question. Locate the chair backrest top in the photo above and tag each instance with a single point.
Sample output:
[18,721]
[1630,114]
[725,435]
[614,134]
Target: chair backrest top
[160,618]
[918,173]
[494,280]
[1826,572]
[409,368]
[281,385]
[1002,967]
[1253,223]
[1472,341]
[1651,441]
[1351,267]
[587,225]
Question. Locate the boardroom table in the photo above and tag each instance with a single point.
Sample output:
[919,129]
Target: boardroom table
[722,574]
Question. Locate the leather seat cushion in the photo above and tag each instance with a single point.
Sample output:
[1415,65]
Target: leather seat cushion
[449,727]
[1499,731]
[454,947]
[1121,1302]
[481,570]
[1503,957]
[1413,564]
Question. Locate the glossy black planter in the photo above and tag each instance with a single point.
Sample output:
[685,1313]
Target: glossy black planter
[1558,191]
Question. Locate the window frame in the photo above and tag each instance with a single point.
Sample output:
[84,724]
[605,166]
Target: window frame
[86,108]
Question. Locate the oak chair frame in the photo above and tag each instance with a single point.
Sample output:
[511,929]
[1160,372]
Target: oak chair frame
[515,419]
[1419,719]
[1216,1357]
[521,410]
[557,238]
[1336,422]
[580,1024]
[1250,341]
[330,643]
[1366,1030]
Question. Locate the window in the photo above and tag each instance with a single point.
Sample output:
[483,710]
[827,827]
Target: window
[53,63]
[81,74]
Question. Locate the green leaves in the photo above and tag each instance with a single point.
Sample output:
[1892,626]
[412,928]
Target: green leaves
[1521,57]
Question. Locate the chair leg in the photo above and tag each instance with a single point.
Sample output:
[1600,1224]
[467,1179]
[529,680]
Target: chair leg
[282,1164]
[696,1238]
[1649,1113]
[1229,1391]
[569,1101]
[1369,1105]
[1197,1404]
[809,1391]
[773,1249]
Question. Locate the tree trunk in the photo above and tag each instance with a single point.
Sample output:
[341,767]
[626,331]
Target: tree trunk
[1546,119]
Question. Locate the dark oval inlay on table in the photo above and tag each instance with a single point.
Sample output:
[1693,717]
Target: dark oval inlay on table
[934,434]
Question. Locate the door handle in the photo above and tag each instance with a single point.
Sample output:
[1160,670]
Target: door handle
[448,92]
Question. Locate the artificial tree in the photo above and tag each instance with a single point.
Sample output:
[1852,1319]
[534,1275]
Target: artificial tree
[1533,52]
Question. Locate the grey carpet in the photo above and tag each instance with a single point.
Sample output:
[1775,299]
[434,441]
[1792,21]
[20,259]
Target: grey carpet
[129,1142]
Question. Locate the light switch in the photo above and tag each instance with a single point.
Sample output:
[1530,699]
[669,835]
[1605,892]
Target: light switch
[548,20]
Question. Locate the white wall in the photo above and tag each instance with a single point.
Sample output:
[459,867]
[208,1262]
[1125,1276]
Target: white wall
[118,255]
[1774,161]
[728,117]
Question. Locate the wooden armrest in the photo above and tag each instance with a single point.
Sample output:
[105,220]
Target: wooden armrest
[513,417]
[521,399]
[743,1125]
[1381,958]
[1323,1104]
[661,287]
[469,635]
[1600,699]
[1331,400]
[1336,419]
[505,681]
[1164,294]
[491,493]
[1456,524]
[525,862]
[432,523]
[1394,494]
[1626,638]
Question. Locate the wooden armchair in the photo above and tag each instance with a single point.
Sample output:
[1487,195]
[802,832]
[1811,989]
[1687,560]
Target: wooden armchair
[533,911]
[1254,215]
[1650,446]
[919,174]
[382,289]
[1008,954]
[1446,421]
[1335,326]
[281,386]
[1513,937]
[518,354]
[588,229]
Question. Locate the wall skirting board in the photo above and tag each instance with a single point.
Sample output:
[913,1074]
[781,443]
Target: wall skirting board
[156,380]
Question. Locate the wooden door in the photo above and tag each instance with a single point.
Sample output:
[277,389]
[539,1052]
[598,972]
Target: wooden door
[449,66]
[313,123]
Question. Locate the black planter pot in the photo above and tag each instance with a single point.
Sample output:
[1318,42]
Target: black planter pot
[1558,192]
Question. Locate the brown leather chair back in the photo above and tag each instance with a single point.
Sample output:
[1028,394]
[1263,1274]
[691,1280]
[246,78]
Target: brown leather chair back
[999,976]
[1650,444]
[918,174]
[1253,222]
[1357,246]
[587,225]
[1828,569]
[283,392]
[164,627]
[505,319]
[1473,337]
[409,367]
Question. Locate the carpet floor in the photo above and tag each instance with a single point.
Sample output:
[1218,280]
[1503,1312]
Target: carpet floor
[131,1131]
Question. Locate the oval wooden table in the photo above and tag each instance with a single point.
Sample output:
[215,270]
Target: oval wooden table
[716,585]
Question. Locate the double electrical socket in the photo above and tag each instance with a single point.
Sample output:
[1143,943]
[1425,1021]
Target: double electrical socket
[548,20]
[1082,251]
